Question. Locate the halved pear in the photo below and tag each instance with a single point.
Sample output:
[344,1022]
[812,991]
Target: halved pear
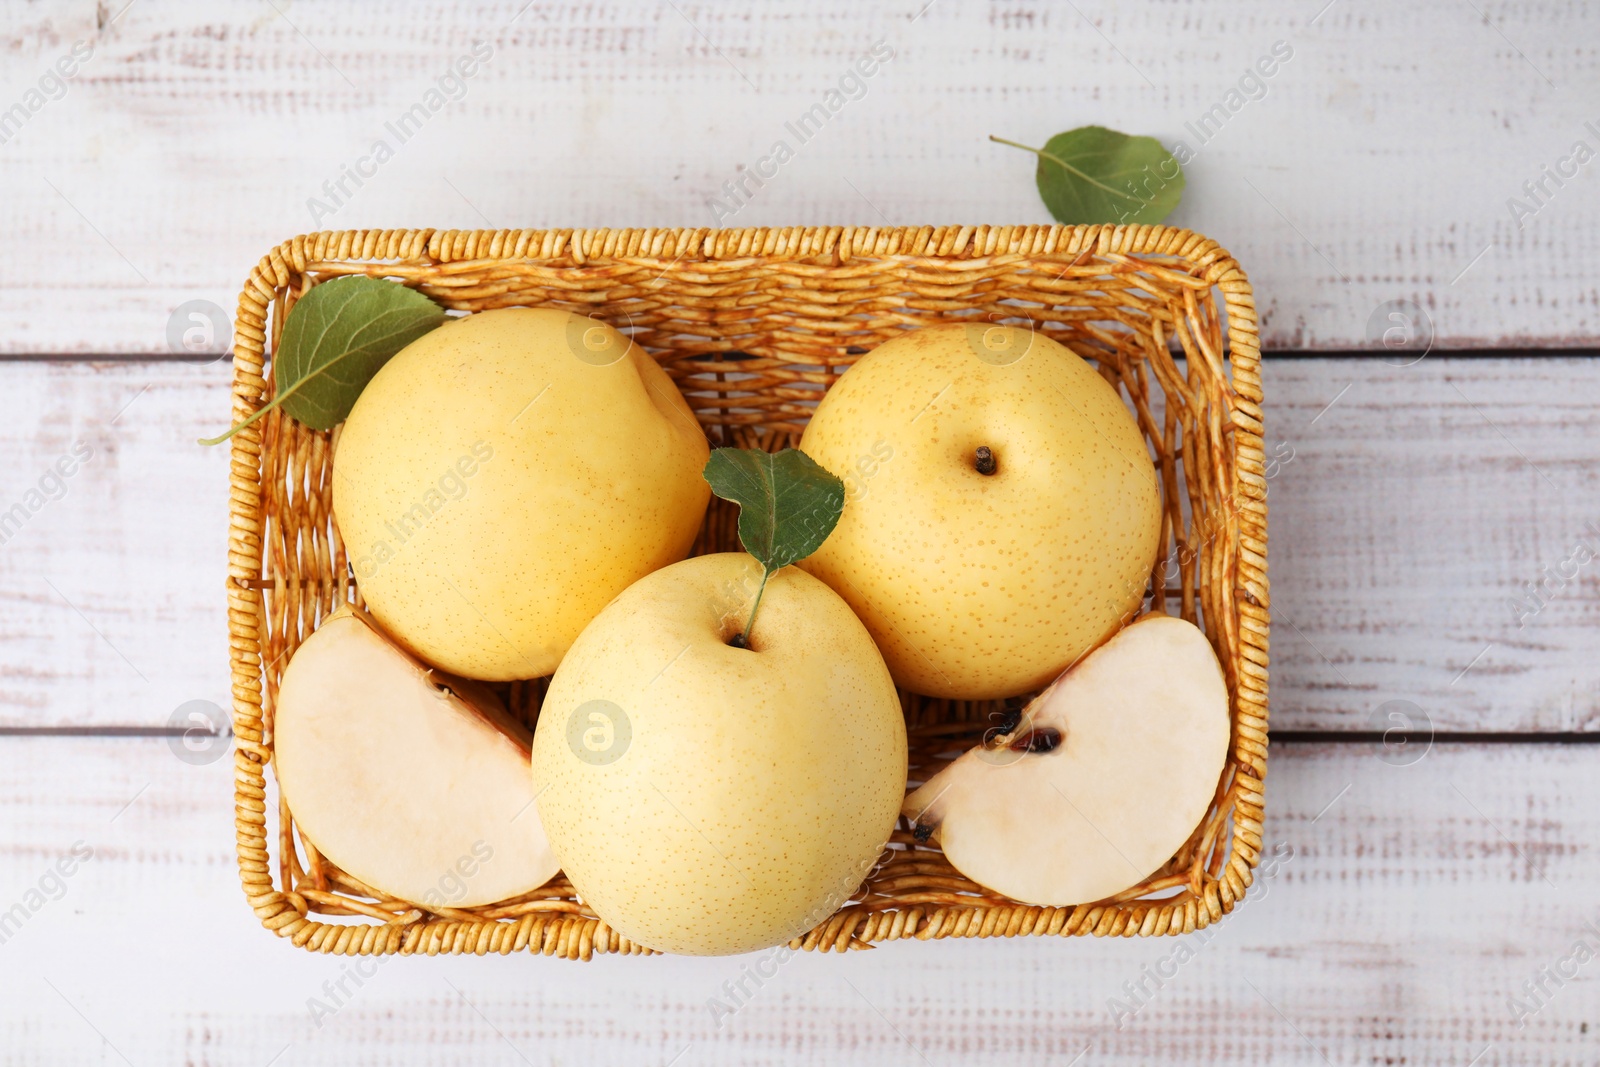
[414,781]
[1102,780]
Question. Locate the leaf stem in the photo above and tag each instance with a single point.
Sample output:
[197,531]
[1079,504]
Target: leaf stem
[744,638]
[1064,165]
[280,398]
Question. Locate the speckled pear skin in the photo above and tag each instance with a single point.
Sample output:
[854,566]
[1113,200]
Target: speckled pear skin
[503,477]
[755,788]
[983,586]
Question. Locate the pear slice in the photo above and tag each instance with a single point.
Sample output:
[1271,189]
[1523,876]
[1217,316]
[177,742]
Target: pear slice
[413,781]
[1104,778]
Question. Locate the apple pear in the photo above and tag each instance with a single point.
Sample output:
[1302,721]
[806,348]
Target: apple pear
[706,798]
[504,476]
[1002,511]
[1102,779]
[412,781]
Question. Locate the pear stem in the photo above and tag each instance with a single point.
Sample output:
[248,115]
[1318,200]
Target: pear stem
[744,638]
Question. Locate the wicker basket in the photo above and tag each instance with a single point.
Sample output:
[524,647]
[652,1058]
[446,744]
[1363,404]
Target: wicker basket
[754,325]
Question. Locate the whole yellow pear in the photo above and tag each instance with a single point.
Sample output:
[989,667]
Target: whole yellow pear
[506,475]
[707,799]
[1001,513]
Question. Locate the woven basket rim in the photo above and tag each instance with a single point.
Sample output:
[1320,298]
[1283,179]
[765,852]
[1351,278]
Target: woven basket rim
[965,242]
[398,253]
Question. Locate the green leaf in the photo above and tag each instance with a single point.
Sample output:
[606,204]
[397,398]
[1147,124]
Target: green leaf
[336,338]
[788,504]
[1093,175]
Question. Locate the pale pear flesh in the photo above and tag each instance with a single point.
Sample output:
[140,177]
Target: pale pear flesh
[1130,745]
[414,782]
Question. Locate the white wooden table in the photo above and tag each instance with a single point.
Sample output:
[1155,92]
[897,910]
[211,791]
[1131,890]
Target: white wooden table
[1420,894]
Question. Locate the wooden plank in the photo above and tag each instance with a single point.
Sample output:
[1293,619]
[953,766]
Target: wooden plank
[1379,161]
[1388,932]
[111,579]
[1413,511]
[1409,507]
